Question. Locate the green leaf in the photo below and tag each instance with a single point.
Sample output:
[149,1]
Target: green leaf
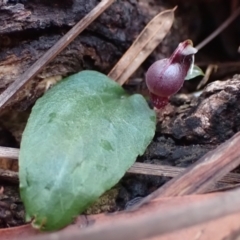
[194,72]
[81,137]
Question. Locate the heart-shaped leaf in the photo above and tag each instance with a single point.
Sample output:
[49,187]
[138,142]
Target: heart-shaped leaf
[194,72]
[80,139]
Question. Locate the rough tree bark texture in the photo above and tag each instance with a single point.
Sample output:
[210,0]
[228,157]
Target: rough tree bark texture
[28,30]
[212,118]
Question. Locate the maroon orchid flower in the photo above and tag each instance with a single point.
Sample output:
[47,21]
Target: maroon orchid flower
[165,77]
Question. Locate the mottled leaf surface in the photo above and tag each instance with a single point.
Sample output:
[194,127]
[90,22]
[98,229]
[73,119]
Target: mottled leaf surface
[80,139]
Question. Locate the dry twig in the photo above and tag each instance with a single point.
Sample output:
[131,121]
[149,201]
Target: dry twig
[170,171]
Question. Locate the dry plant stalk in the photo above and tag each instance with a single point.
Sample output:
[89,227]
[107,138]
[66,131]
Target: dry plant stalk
[172,171]
[143,46]
[16,86]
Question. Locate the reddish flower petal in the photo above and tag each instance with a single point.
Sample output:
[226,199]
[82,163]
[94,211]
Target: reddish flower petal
[158,102]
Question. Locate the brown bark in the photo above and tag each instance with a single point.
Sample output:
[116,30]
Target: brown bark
[28,30]
[210,119]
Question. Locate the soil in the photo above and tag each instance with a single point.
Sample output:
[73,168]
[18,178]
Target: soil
[189,126]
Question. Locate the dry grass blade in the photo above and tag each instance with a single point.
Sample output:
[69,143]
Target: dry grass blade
[143,46]
[199,177]
[53,52]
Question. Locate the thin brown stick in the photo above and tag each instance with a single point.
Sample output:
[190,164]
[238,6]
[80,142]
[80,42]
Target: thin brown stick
[12,90]
[157,221]
[199,177]
[170,171]
[138,168]
[224,25]
[155,170]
